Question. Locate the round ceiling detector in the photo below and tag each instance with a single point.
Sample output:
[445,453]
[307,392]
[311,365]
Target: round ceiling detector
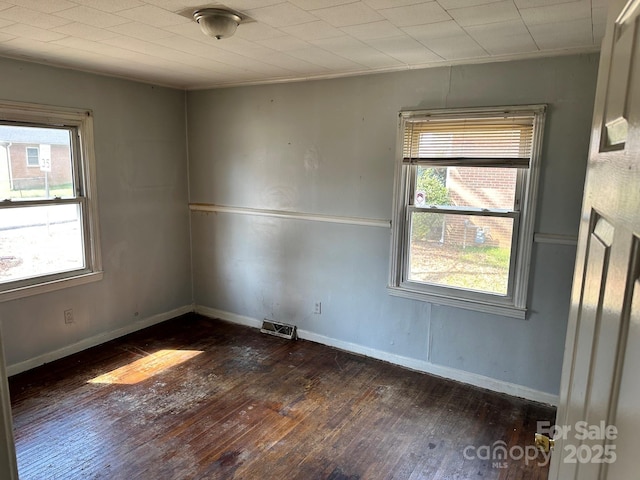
[216,22]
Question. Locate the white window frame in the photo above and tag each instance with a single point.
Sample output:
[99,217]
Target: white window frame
[80,122]
[514,304]
[37,164]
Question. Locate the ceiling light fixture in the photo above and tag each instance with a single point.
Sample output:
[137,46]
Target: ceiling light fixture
[217,22]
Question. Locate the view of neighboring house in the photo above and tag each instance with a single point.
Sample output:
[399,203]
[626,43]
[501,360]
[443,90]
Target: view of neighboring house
[32,160]
[36,164]
[457,249]
[480,187]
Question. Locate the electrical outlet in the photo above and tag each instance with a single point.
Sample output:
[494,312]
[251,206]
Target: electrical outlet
[68,316]
[317,308]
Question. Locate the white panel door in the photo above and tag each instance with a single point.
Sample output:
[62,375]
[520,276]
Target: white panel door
[600,394]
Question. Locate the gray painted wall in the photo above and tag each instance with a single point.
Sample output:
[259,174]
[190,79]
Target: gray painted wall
[328,147]
[318,147]
[140,149]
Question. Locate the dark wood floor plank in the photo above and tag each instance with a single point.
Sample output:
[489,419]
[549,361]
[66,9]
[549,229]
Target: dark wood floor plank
[251,406]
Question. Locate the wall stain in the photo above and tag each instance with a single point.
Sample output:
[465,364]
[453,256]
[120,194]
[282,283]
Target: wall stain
[312,159]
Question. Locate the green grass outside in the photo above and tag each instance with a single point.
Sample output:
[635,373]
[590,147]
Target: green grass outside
[484,269]
[480,268]
[498,257]
[64,190]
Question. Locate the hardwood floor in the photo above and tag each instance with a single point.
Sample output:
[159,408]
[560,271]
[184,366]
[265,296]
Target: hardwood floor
[195,398]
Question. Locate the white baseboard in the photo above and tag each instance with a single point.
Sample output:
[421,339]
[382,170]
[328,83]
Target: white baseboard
[412,363]
[228,316]
[96,340]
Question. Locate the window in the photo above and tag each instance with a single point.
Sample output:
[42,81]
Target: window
[48,215]
[464,207]
[33,157]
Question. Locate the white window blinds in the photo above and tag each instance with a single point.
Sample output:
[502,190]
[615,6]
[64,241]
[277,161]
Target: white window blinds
[504,141]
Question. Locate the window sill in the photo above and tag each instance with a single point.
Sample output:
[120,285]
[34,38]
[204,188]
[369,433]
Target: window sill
[467,304]
[50,286]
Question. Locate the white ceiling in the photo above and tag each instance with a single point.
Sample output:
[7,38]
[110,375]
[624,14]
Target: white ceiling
[150,40]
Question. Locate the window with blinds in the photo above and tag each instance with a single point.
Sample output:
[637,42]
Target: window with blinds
[463,216]
[495,141]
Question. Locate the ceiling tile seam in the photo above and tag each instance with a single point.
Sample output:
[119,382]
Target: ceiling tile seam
[527,27]
[409,65]
[21,20]
[554,4]
[98,14]
[45,12]
[254,14]
[339,5]
[30,33]
[43,61]
[119,58]
[153,42]
[336,7]
[464,28]
[560,22]
[346,34]
[404,67]
[364,67]
[252,59]
[311,44]
[150,5]
[178,53]
[204,57]
[447,36]
[418,2]
[557,5]
[279,29]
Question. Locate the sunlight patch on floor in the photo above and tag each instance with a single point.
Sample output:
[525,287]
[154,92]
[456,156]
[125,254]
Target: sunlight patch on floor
[146,367]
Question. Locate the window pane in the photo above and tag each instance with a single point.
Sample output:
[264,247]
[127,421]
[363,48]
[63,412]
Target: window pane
[38,241]
[461,251]
[477,187]
[35,163]
[33,157]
